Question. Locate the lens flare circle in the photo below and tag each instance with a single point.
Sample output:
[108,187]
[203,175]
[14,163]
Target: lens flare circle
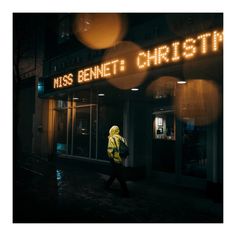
[126,51]
[199,100]
[162,87]
[99,30]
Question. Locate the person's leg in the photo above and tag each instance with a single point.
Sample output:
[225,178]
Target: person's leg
[121,179]
[112,177]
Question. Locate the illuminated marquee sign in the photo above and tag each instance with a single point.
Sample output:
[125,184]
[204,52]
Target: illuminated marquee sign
[105,70]
[176,51]
[173,52]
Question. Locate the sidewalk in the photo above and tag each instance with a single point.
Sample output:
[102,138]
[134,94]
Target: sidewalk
[74,194]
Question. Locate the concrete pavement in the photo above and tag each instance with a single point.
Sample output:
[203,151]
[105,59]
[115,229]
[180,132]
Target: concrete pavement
[75,194]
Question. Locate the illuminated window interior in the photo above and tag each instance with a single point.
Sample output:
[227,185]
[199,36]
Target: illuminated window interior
[164,126]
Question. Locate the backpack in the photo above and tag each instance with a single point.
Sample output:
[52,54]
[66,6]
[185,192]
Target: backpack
[123,149]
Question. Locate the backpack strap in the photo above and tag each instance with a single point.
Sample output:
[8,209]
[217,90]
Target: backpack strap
[115,144]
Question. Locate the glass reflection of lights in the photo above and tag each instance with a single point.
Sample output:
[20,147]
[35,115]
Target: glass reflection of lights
[59,175]
[40,87]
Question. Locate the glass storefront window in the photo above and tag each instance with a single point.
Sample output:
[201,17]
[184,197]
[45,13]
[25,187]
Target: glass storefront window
[81,132]
[61,131]
[194,149]
[82,127]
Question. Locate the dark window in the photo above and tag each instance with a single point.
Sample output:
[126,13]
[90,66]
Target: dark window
[61,131]
[64,28]
[82,132]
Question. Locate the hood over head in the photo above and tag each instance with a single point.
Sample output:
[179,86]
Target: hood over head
[114,130]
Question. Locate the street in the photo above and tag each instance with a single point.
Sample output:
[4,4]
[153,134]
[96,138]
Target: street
[74,193]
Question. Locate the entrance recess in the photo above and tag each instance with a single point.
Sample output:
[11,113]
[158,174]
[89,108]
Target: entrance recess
[179,149]
[163,158]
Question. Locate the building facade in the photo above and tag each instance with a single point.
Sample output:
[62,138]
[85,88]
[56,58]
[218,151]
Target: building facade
[162,85]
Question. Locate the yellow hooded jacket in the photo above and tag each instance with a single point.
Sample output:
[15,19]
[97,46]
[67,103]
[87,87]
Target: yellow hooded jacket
[114,143]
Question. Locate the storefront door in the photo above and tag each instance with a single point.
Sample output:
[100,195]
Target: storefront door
[163,141]
[179,149]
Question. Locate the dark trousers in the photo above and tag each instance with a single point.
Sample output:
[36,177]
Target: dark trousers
[117,171]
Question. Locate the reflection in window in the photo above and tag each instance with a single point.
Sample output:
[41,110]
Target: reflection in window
[61,131]
[61,104]
[81,132]
[82,124]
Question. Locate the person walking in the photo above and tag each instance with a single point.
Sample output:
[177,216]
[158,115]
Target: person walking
[117,167]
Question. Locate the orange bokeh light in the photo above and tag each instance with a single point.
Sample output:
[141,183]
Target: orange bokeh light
[162,87]
[99,30]
[199,100]
[128,51]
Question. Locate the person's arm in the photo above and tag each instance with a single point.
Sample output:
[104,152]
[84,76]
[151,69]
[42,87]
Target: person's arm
[110,148]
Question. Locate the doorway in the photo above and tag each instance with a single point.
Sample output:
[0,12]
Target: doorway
[179,149]
[163,141]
